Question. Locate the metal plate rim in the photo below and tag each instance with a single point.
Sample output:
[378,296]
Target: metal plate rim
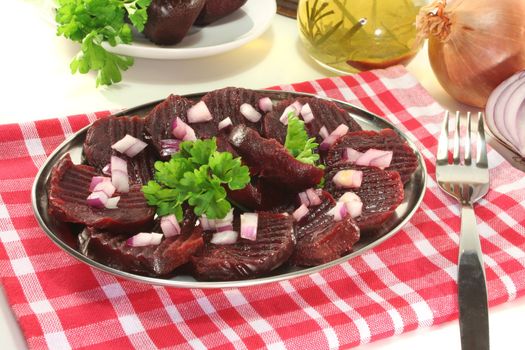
[226,284]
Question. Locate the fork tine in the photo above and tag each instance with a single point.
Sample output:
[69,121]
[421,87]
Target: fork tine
[442,150]
[455,153]
[481,150]
[468,142]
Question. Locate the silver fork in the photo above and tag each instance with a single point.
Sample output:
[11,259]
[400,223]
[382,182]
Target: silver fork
[467,180]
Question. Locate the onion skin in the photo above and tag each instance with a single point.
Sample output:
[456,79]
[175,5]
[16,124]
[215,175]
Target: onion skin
[477,45]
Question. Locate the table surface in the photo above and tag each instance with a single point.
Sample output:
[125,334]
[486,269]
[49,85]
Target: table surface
[35,67]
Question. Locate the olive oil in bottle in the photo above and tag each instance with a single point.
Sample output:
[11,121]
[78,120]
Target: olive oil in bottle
[354,35]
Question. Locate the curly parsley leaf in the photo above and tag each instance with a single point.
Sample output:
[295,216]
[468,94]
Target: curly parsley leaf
[196,175]
[92,22]
[298,143]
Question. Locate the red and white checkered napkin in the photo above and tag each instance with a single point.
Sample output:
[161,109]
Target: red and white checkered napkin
[405,283]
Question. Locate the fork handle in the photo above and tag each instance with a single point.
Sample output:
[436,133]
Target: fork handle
[472,290]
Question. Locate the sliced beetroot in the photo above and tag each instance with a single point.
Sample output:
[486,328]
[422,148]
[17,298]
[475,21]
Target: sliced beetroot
[404,160]
[156,260]
[159,121]
[169,21]
[320,238]
[326,113]
[103,133]
[262,195]
[216,9]
[272,162]
[381,192]
[226,103]
[69,188]
[246,258]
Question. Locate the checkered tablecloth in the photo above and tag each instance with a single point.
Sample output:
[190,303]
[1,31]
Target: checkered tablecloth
[405,283]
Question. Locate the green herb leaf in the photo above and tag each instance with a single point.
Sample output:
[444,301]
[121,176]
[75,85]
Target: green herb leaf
[298,143]
[196,175]
[92,22]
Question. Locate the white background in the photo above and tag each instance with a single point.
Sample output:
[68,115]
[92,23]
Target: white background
[36,84]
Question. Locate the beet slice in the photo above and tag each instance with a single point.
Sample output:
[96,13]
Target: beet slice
[320,238]
[245,258]
[272,162]
[159,121]
[69,188]
[104,132]
[216,9]
[157,260]
[226,103]
[170,20]
[404,160]
[381,192]
[326,113]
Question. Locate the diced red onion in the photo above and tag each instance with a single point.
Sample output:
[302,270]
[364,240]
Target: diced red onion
[144,239]
[129,145]
[334,136]
[349,197]
[298,106]
[225,237]
[225,123]
[95,180]
[118,164]
[313,197]
[350,155]
[306,113]
[383,161]
[353,203]
[250,113]
[169,147]
[339,212]
[380,158]
[249,226]
[156,238]
[224,227]
[354,208]
[300,212]
[112,202]
[106,170]
[293,108]
[178,128]
[265,104]
[97,200]
[199,113]
[119,174]
[303,197]
[207,224]
[170,143]
[169,225]
[106,187]
[190,134]
[348,179]
[324,132]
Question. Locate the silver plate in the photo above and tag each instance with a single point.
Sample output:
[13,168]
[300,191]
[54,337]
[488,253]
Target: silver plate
[65,235]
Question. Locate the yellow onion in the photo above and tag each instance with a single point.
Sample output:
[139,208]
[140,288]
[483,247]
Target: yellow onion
[474,44]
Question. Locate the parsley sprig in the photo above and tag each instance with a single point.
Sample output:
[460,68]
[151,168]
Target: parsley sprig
[298,143]
[196,175]
[92,22]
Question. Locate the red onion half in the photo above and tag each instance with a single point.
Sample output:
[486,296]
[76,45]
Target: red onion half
[505,112]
